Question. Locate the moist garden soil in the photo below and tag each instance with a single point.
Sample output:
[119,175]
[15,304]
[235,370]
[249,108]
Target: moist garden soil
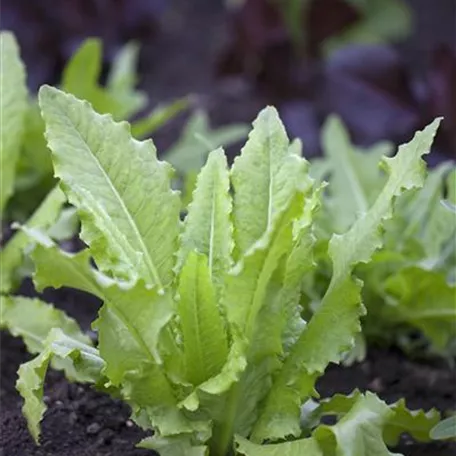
[82,422]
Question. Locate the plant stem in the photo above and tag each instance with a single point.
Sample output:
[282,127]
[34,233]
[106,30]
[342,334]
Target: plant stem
[222,438]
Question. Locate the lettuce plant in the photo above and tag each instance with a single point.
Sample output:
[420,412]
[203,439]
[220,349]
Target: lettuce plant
[410,284]
[377,23]
[29,169]
[200,331]
[446,429]
[13,106]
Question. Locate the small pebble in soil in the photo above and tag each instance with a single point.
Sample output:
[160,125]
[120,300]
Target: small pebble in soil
[376,385]
[105,437]
[93,428]
[129,423]
[407,440]
[72,418]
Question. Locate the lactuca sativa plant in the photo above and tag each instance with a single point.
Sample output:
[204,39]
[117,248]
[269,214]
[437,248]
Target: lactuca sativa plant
[446,429]
[378,23]
[28,173]
[410,283]
[14,105]
[200,330]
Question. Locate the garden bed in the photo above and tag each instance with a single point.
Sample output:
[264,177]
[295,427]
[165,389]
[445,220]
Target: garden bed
[82,422]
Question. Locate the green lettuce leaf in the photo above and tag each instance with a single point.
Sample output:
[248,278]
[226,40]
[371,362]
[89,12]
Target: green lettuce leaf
[129,328]
[423,220]
[446,429]
[122,80]
[198,139]
[317,346]
[81,75]
[133,310]
[130,234]
[66,225]
[11,256]
[84,360]
[416,423]
[359,432]
[420,234]
[208,227]
[210,396]
[34,178]
[247,284]
[423,299]
[364,424]
[264,177]
[381,21]
[356,179]
[204,336]
[299,264]
[56,268]
[41,319]
[13,106]
[158,117]
[451,186]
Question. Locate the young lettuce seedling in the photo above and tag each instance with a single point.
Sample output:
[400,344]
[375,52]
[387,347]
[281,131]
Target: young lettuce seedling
[200,330]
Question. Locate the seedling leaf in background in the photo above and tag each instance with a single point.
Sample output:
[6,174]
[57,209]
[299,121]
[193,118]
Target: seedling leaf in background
[82,74]
[198,139]
[418,242]
[13,109]
[122,80]
[11,256]
[446,429]
[355,177]
[382,21]
[158,117]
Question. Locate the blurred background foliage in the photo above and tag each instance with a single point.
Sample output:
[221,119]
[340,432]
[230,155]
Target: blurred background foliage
[386,67]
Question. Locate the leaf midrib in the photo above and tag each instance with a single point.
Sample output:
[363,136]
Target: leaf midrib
[271,181]
[132,330]
[212,230]
[354,183]
[152,269]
